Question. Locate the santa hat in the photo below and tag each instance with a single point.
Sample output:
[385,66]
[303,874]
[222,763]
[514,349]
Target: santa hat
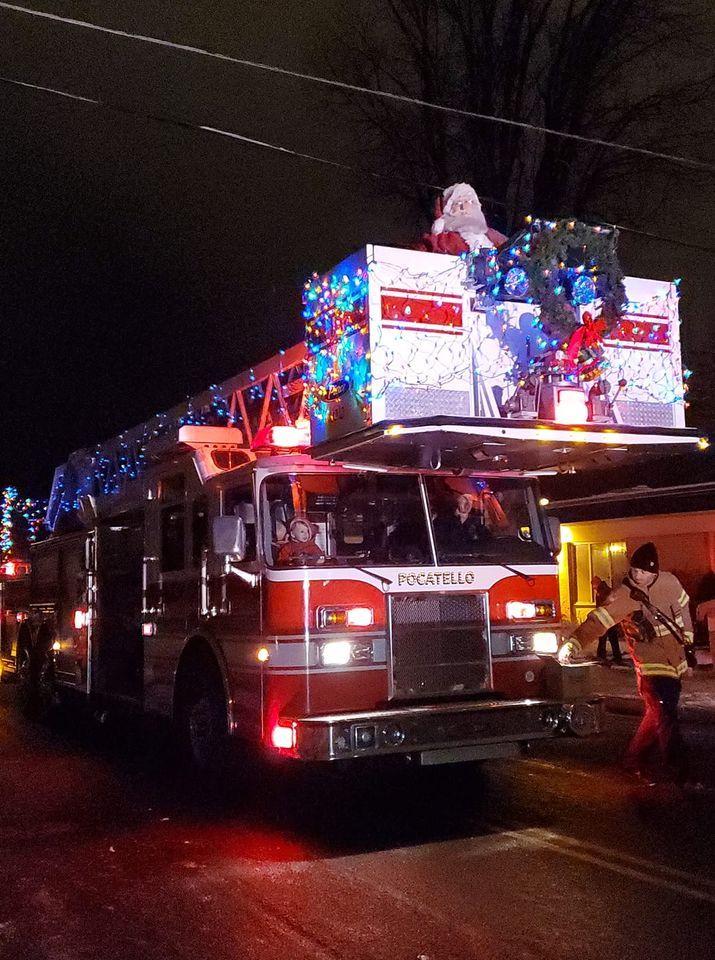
[645,558]
[459,191]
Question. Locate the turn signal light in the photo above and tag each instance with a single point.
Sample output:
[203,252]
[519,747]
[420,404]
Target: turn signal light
[520,610]
[344,617]
[530,609]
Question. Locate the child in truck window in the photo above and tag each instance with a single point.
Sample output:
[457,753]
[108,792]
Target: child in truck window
[300,548]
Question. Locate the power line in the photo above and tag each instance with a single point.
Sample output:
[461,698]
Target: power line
[356,88]
[58,93]
[230,134]
[325,161]
[658,236]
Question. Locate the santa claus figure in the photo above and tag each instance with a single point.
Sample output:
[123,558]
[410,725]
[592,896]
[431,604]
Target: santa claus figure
[460,225]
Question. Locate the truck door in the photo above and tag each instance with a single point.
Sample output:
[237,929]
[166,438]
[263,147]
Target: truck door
[67,560]
[118,645]
[234,594]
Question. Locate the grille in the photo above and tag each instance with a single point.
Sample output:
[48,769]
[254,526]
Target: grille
[439,644]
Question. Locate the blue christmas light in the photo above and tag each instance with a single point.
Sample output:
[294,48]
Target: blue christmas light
[516,282]
[583,290]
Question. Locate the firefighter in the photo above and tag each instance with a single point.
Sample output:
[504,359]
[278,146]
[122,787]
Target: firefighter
[601,589]
[646,602]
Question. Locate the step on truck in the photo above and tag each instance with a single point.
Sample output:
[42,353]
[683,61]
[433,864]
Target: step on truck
[342,552]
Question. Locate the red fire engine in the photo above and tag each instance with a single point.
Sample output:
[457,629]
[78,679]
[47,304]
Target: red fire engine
[381,580]
[14,602]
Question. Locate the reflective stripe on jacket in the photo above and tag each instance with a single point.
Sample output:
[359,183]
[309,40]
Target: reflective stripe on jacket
[661,656]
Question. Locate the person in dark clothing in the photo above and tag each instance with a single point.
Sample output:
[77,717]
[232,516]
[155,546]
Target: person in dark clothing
[612,635]
[458,525]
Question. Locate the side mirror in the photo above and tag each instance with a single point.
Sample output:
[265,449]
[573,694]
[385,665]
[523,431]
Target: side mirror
[555,534]
[229,537]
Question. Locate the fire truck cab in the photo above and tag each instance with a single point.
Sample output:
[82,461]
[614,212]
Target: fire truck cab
[322,610]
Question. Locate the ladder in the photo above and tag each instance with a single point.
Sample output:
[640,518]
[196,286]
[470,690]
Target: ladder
[270,393]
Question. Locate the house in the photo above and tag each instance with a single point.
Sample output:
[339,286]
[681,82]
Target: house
[601,527]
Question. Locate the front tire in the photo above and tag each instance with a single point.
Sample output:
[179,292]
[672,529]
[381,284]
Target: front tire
[203,726]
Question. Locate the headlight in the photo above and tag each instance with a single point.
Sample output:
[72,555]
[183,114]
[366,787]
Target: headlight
[545,641]
[338,653]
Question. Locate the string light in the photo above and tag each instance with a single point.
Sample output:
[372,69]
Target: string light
[18,512]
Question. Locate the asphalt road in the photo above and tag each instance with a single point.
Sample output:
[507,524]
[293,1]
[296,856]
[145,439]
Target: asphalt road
[106,851]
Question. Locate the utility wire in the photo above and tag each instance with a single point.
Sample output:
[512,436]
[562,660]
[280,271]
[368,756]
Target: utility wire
[232,135]
[356,88]
[252,141]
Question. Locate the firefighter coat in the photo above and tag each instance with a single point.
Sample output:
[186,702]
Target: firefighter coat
[660,656]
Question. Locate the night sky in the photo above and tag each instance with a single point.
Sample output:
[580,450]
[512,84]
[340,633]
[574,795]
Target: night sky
[140,262]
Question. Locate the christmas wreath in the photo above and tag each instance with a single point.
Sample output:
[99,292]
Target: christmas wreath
[561,265]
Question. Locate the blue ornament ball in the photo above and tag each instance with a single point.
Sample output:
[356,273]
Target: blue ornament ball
[583,290]
[516,282]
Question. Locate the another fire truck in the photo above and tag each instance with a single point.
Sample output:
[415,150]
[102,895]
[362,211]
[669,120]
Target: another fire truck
[340,553]
[14,603]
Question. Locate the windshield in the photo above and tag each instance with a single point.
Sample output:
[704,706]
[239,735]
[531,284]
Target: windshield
[481,521]
[379,519]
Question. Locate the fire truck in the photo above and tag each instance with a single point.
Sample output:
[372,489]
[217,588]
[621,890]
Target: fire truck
[14,601]
[342,553]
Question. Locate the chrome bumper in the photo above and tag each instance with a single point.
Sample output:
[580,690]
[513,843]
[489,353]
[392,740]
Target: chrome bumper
[443,733]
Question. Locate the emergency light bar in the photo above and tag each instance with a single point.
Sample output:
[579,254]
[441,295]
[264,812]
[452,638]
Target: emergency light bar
[283,437]
[199,437]
[216,449]
[14,568]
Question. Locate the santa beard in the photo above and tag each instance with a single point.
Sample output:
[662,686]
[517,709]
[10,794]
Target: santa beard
[472,228]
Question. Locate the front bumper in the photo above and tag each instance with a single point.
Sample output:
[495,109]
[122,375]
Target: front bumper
[442,733]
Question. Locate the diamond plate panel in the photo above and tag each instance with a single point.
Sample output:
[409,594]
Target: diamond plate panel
[402,403]
[638,413]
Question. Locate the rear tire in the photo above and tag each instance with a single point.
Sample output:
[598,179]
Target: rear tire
[36,682]
[25,692]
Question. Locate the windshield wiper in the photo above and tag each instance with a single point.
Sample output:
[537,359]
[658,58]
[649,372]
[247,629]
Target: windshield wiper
[385,581]
[524,576]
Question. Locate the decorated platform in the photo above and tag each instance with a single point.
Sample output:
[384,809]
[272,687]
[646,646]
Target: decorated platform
[395,334]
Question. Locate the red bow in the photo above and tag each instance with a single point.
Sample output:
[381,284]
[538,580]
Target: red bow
[589,334]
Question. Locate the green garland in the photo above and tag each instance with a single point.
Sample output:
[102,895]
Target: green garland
[554,247]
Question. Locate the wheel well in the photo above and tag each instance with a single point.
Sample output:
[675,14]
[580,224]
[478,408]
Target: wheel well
[198,658]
